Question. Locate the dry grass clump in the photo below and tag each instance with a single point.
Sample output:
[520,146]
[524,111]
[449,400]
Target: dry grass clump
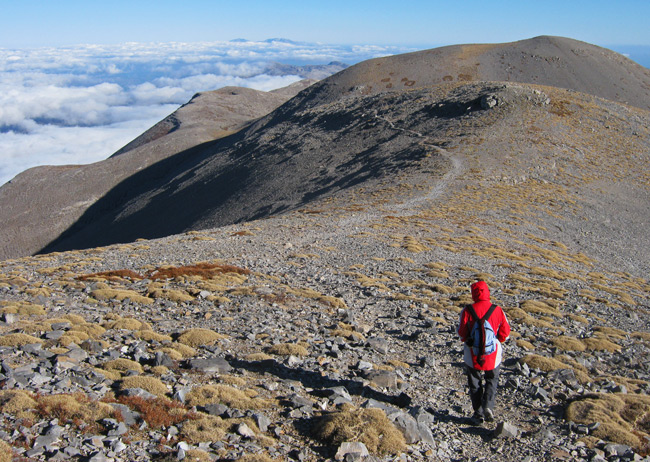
[368,426]
[150,384]
[551,364]
[123,365]
[611,332]
[198,455]
[76,409]
[601,344]
[178,351]
[120,295]
[567,343]
[177,296]
[114,276]
[540,307]
[261,457]
[258,357]
[198,337]
[23,308]
[202,270]
[207,428]
[18,403]
[286,349]
[224,394]
[623,418]
[18,339]
[151,336]
[6,453]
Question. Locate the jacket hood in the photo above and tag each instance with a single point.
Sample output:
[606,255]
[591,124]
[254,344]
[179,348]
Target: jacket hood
[480,291]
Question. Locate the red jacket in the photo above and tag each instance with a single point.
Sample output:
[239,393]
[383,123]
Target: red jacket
[498,320]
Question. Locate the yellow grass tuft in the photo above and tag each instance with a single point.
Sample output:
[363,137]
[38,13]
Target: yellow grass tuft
[123,365]
[225,394]
[368,426]
[18,339]
[150,384]
[198,337]
[623,418]
[6,452]
[286,349]
[205,429]
[567,343]
[120,295]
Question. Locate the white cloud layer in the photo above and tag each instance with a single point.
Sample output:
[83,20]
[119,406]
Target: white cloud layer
[77,105]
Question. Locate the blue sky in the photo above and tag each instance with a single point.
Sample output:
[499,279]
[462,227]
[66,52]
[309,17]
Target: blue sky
[30,23]
[81,78]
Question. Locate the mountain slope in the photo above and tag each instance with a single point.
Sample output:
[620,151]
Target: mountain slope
[40,203]
[552,61]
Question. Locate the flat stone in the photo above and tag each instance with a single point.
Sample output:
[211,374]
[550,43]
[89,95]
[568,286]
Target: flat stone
[380,345]
[215,364]
[355,448]
[506,430]
[245,431]
[383,379]
[407,425]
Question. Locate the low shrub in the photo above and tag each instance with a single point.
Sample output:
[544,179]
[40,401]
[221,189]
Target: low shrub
[368,426]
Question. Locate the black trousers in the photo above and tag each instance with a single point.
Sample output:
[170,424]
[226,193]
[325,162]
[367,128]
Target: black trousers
[482,394]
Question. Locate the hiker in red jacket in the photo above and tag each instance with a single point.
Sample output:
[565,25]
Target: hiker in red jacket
[483,350]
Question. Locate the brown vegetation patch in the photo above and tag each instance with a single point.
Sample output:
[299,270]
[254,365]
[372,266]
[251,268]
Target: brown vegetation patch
[623,418]
[203,270]
[566,343]
[368,426]
[18,339]
[286,349]
[115,275]
[224,394]
[157,412]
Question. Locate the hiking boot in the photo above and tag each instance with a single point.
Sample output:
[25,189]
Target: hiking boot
[476,419]
[489,415]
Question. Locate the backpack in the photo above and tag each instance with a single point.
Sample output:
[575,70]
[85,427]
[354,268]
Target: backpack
[482,339]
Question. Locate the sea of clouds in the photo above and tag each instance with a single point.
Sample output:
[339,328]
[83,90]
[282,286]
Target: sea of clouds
[77,105]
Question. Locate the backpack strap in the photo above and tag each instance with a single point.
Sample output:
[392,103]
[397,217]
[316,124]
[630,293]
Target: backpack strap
[489,312]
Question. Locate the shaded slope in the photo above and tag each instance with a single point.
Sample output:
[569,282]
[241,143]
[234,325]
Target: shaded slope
[40,203]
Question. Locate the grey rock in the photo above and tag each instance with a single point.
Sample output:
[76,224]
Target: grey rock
[408,426]
[383,379]
[356,449]
[506,430]
[387,408]
[297,401]
[618,450]
[10,318]
[139,392]
[245,431]
[380,345]
[215,364]
[163,359]
[91,346]
[262,421]
[129,417]
[217,409]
